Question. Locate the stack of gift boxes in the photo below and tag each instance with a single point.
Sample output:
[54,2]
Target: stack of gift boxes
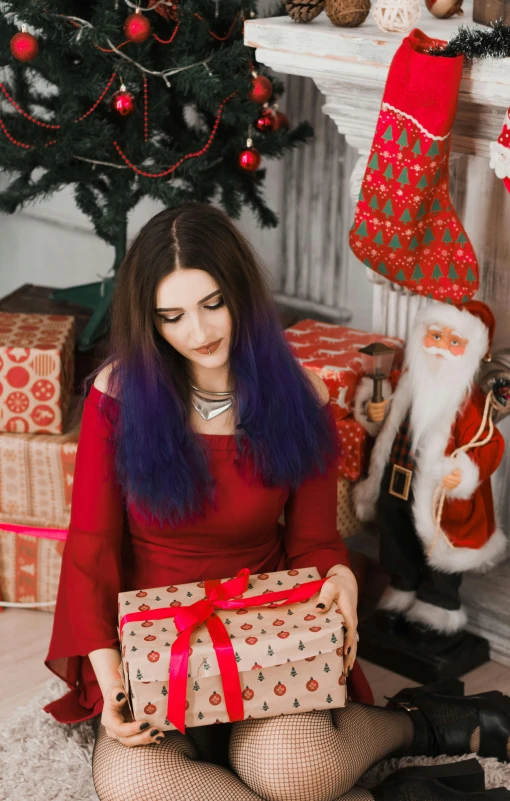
[37,454]
[38,445]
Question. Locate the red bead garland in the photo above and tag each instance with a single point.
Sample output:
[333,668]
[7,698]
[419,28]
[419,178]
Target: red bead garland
[145,109]
[24,46]
[137,28]
[184,158]
[46,124]
[166,41]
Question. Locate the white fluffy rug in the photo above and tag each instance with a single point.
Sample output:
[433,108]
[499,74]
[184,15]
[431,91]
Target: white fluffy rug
[42,760]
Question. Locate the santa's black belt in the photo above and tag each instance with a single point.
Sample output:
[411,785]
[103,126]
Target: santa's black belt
[400,482]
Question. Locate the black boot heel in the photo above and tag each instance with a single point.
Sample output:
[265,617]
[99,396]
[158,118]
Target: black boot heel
[444,724]
[467,775]
[443,687]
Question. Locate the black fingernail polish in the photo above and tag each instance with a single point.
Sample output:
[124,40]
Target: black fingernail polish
[154,731]
[120,696]
[321,606]
[348,650]
[144,726]
[159,739]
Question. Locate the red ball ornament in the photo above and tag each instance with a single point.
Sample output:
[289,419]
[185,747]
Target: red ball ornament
[262,89]
[443,9]
[266,121]
[24,46]
[123,102]
[249,159]
[137,28]
[281,122]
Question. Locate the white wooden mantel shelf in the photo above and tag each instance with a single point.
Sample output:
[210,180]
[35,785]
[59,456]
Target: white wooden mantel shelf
[350,66]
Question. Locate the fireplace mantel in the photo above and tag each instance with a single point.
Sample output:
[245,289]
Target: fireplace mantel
[350,66]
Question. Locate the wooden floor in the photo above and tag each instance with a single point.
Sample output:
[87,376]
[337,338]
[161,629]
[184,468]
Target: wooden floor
[25,634]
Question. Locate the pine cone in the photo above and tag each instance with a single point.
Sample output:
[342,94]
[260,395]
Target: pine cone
[304,10]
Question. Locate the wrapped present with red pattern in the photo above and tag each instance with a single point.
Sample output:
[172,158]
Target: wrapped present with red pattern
[218,651]
[30,564]
[355,449]
[36,372]
[36,477]
[332,352]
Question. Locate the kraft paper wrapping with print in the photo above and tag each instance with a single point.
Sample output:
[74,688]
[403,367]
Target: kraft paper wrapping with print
[36,372]
[36,477]
[289,659]
[30,566]
[332,352]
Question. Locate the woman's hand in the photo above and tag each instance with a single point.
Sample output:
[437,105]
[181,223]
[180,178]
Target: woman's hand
[116,719]
[342,587]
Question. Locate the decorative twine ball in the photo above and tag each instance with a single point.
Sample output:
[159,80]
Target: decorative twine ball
[304,10]
[347,13]
[396,15]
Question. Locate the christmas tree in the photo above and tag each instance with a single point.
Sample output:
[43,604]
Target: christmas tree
[124,100]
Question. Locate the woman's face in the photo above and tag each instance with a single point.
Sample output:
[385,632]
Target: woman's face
[190,313]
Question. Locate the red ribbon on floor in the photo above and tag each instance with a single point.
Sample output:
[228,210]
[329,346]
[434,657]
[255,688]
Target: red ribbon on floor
[188,618]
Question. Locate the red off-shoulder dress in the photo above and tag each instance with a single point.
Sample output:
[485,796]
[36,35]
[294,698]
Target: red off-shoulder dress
[110,549]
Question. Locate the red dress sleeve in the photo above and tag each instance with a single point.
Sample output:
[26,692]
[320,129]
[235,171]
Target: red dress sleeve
[91,575]
[311,538]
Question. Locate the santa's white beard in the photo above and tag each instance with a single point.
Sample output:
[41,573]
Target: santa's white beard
[439,387]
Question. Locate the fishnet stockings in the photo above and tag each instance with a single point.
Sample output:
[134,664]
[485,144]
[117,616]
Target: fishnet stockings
[315,756]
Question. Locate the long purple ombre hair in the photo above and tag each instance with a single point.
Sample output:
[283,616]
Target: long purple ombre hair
[161,462]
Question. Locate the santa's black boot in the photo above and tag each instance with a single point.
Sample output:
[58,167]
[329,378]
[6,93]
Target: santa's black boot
[457,781]
[444,724]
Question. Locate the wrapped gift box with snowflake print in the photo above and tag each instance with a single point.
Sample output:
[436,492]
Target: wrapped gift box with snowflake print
[332,352]
[288,658]
[36,372]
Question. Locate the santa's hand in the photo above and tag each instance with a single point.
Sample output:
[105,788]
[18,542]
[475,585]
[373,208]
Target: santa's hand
[452,480]
[376,411]
[342,587]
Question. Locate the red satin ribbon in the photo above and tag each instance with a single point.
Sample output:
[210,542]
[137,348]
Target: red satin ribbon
[188,618]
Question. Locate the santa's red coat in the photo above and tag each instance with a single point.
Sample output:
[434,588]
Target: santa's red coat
[469,538]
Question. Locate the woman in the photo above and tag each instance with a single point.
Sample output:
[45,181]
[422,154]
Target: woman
[199,429]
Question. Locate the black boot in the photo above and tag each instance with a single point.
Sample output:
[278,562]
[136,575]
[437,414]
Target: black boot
[441,687]
[444,724]
[457,781]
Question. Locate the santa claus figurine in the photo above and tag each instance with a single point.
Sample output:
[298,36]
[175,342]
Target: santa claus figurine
[428,484]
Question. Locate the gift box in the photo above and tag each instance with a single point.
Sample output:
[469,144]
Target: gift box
[30,564]
[248,647]
[36,477]
[332,352]
[347,524]
[36,372]
[355,449]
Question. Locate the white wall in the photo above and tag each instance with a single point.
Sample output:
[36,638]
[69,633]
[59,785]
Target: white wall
[53,244]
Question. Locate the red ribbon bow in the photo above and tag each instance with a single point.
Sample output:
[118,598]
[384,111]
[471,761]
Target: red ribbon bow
[188,618]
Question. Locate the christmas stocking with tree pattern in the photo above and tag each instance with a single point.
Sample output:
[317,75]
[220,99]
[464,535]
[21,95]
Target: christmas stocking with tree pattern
[405,227]
[500,153]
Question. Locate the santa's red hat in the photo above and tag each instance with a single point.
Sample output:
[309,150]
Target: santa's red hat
[479,309]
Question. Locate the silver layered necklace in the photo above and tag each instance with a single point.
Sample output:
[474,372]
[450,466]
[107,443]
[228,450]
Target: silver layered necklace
[211,407]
